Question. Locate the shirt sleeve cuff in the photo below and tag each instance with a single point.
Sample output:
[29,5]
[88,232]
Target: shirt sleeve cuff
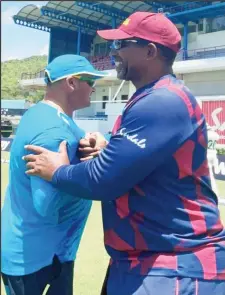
[59,173]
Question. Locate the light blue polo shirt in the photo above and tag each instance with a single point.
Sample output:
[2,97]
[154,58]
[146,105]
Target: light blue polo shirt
[38,220]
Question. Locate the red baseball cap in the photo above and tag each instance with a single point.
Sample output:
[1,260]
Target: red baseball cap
[155,27]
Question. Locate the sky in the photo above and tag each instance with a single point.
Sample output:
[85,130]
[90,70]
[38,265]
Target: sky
[18,42]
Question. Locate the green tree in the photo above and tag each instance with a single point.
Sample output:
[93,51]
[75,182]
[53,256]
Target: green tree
[11,72]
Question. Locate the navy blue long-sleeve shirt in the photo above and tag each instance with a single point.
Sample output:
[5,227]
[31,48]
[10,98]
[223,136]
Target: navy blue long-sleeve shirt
[153,181]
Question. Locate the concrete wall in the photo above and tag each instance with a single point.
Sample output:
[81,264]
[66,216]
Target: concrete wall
[94,125]
[206,83]
[97,98]
[198,41]
[103,126]
[87,112]
[200,83]
[104,90]
[110,91]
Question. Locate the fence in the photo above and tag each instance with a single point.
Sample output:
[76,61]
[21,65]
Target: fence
[28,76]
[104,63]
[186,6]
[201,53]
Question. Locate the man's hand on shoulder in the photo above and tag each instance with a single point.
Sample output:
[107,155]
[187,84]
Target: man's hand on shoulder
[45,162]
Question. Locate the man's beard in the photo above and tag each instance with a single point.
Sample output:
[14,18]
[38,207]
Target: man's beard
[121,70]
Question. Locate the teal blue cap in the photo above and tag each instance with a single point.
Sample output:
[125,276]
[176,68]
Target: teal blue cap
[69,65]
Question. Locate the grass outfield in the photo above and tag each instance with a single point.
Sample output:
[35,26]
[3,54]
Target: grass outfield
[92,259]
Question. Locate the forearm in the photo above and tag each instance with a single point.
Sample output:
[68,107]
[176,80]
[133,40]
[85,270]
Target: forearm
[105,178]
[75,180]
[135,151]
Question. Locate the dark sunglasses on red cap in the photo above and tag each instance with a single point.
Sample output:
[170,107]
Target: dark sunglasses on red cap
[119,44]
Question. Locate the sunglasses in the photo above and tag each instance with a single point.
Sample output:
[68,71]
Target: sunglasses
[119,44]
[90,82]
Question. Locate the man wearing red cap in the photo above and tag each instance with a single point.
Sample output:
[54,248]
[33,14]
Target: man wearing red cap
[162,227]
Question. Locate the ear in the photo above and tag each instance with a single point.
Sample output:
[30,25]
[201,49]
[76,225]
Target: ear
[72,83]
[152,51]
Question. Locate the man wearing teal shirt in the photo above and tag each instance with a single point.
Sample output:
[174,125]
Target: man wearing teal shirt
[41,226]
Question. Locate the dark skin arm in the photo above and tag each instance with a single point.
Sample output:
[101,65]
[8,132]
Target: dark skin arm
[91,146]
[44,163]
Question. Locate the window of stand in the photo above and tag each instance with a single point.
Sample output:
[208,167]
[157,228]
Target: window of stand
[105,98]
[124,98]
[215,24]
[102,49]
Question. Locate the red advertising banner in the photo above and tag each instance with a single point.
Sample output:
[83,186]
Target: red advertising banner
[214,112]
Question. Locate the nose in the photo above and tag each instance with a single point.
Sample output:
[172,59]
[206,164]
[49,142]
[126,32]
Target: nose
[93,90]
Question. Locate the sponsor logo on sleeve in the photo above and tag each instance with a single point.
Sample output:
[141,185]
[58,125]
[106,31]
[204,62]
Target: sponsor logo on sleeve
[141,143]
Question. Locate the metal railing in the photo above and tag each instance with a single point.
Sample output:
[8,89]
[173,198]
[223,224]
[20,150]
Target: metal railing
[201,53]
[186,6]
[28,76]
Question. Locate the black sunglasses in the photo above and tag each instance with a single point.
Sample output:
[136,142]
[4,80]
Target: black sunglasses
[89,81]
[119,44]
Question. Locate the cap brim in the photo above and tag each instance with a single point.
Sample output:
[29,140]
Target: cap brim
[95,74]
[114,34]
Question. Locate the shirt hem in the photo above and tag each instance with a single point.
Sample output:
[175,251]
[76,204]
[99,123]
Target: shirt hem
[29,271]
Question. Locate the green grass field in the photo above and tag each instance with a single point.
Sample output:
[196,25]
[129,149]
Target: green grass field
[92,259]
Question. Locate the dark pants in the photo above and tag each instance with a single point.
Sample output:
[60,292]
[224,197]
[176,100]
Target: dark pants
[123,283]
[59,277]
[104,286]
